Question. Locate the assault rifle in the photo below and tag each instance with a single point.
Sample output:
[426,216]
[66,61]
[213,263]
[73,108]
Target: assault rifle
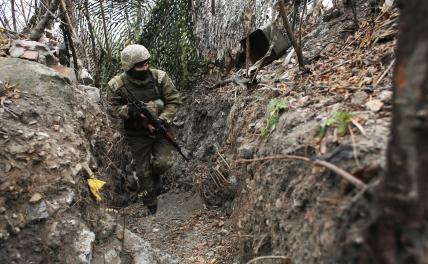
[159,128]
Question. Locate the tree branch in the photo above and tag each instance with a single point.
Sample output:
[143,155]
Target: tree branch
[37,32]
[290,34]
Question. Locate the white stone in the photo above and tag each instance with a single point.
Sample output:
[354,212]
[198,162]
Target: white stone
[385,96]
[374,105]
[85,77]
[83,246]
[16,52]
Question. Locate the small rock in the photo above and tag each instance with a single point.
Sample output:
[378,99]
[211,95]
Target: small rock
[8,167]
[32,122]
[52,207]
[112,257]
[246,151]
[18,149]
[155,230]
[385,96]
[366,81]
[56,127]
[80,115]
[210,254]
[374,105]
[2,210]
[85,77]
[54,237]
[2,88]
[93,93]
[335,13]
[35,198]
[359,98]
[29,135]
[15,230]
[37,211]
[297,203]
[224,232]
[42,135]
[83,245]
[52,164]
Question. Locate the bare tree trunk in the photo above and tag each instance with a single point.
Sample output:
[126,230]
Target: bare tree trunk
[400,233]
[290,34]
[94,50]
[301,22]
[37,32]
[12,5]
[105,33]
[296,5]
[70,32]
[3,19]
[23,12]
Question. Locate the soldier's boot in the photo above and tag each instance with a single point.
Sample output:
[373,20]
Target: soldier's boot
[151,203]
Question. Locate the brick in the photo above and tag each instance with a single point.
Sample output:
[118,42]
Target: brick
[30,55]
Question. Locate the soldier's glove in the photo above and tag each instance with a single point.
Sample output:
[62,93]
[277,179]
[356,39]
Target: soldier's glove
[153,108]
[133,111]
[163,123]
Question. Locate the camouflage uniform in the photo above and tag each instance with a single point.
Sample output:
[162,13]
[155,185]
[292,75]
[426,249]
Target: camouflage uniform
[151,153]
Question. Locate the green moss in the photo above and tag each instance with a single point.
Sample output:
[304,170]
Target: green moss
[337,119]
[274,108]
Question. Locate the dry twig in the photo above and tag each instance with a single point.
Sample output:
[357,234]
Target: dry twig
[344,174]
[269,257]
[384,73]
[354,146]
[221,156]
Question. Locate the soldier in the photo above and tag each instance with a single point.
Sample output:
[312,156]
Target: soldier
[150,152]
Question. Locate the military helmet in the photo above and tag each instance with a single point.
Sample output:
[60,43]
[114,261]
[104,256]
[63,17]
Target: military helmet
[132,55]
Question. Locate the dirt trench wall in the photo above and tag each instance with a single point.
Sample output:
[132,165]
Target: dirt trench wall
[287,208]
[47,126]
[49,130]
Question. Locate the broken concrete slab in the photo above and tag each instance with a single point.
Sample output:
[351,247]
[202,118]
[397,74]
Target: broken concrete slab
[66,72]
[34,79]
[32,50]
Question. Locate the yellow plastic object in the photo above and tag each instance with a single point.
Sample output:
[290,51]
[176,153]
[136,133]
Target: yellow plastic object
[95,185]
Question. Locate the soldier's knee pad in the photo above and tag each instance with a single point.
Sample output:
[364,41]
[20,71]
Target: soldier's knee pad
[159,166]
